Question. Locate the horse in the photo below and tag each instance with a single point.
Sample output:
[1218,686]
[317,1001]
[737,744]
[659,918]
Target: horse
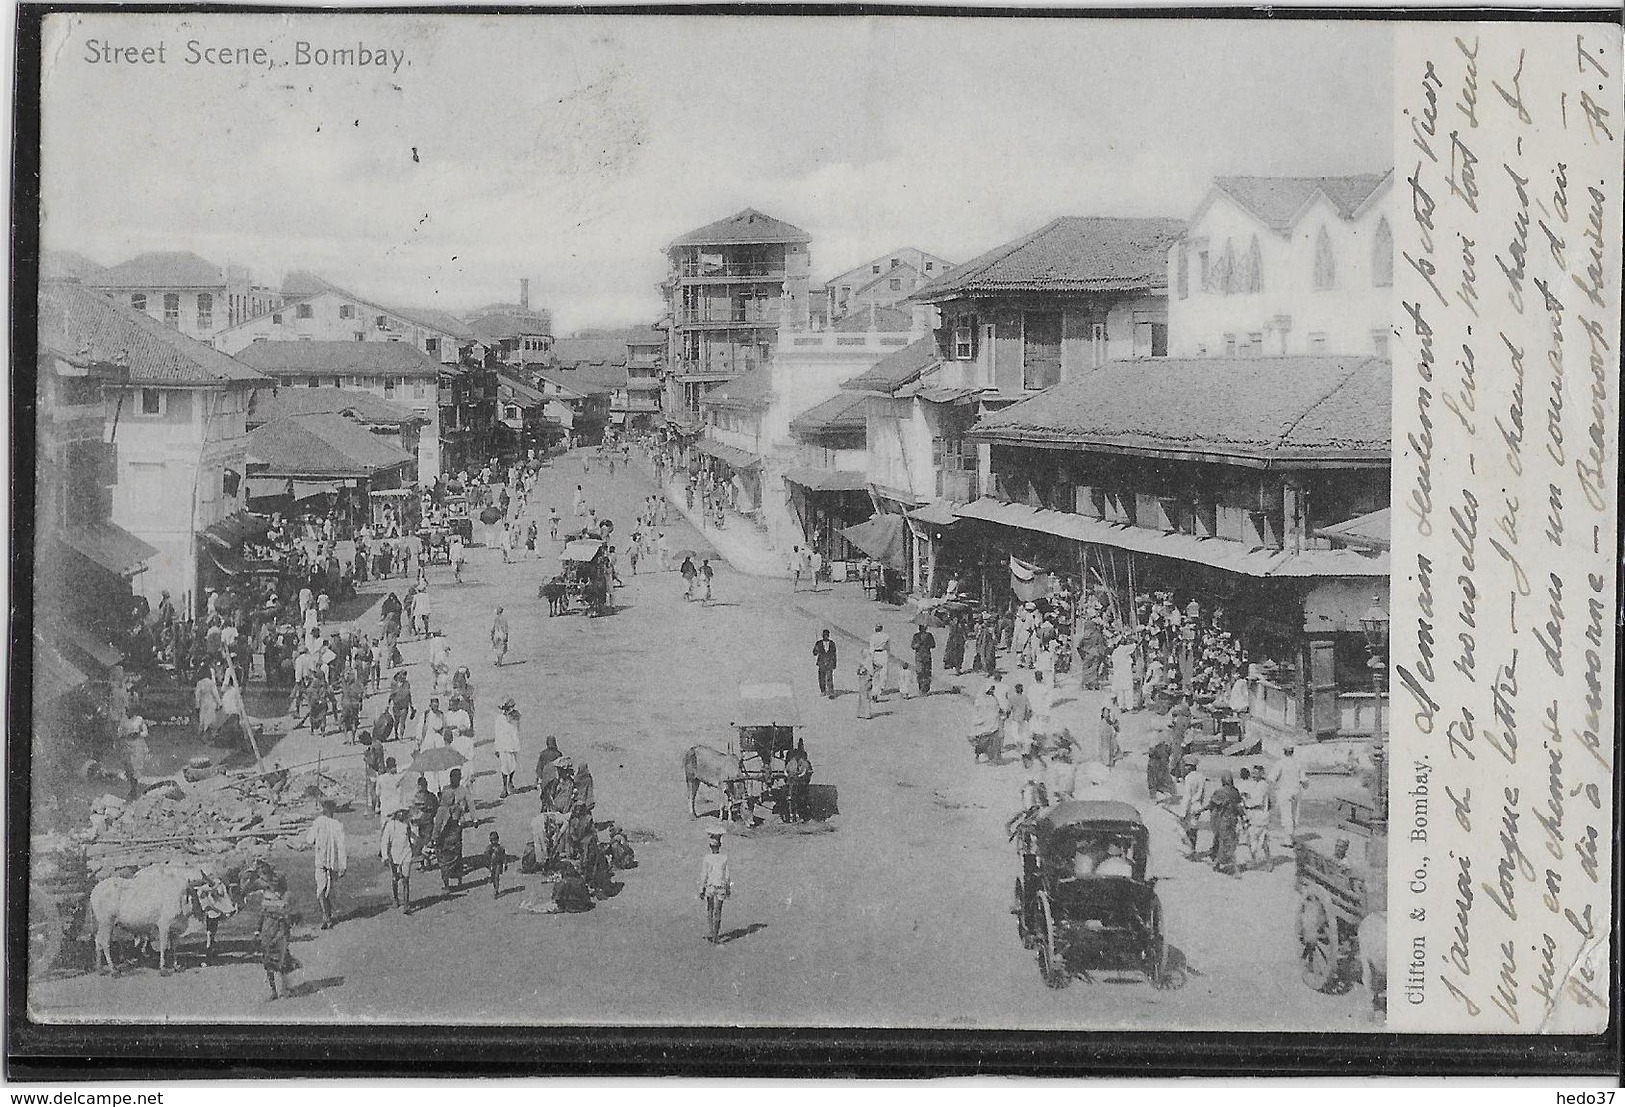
[1372,939]
[705,765]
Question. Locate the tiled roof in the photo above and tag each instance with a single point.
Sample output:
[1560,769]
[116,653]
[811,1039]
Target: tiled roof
[1278,200]
[896,369]
[61,265]
[497,326]
[1265,409]
[435,319]
[320,447]
[75,319]
[170,269]
[570,352]
[1070,254]
[749,225]
[604,375]
[843,411]
[581,384]
[336,358]
[748,390]
[884,319]
[523,394]
[269,404]
[301,283]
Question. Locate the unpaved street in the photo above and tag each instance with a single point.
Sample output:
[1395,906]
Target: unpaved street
[894,913]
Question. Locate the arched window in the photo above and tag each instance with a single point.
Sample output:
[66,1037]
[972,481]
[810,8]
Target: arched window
[1382,256]
[1255,268]
[1325,264]
[1227,270]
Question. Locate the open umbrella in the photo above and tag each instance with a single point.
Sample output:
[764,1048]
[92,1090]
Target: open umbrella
[698,553]
[436,759]
[490,515]
[925,618]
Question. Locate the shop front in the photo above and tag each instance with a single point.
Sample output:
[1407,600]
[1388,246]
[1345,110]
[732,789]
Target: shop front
[825,501]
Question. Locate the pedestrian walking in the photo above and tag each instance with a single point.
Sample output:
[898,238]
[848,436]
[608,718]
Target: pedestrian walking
[987,643]
[1226,807]
[395,848]
[824,657]
[865,690]
[662,551]
[706,575]
[715,887]
[688,573]
[1289,784]
[798,564]
[507,743]
[923,643]
[330,857]
[459,555]
[499,635]
[496,860]
[879,661]
[987,726]
[1192,803]
[400,703]
[273,934]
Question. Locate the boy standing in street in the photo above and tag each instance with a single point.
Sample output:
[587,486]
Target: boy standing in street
[715,886]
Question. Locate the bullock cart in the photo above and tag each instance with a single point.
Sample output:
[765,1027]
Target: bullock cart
[1341,881]
[763,762]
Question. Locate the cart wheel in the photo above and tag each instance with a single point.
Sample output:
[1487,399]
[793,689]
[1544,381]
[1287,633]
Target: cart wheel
[1023,929]
[44,933]
[1318,953]
[1051,965]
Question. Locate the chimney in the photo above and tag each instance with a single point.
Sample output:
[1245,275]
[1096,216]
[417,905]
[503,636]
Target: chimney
[524,293]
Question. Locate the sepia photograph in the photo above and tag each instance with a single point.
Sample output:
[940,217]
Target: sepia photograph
[549,520]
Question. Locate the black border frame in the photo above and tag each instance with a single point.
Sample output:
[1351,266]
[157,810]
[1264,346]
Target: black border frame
[133,1051]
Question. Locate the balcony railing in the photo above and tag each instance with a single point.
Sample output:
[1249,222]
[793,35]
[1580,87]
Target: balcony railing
[742,316]
[713,369]
[960,487]
[765,270]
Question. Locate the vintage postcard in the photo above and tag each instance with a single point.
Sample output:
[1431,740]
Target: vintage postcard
[899,521]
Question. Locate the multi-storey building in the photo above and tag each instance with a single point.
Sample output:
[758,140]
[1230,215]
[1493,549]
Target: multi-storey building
[881,282]
[83,562]
[182,290]
[333,314]
[176,425]
[395,371]
[730,288]
[1285,265]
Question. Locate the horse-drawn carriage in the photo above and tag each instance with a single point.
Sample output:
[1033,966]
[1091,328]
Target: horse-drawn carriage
[1342,903]
[765,766]
[584,578]
[1083,899]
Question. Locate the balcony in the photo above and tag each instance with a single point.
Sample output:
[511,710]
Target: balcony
[732,270]
[713,369]
[447,397]
[960,487]
[735,317]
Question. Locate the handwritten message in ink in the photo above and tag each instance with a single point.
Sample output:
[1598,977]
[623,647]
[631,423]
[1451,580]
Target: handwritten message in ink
[1506,405]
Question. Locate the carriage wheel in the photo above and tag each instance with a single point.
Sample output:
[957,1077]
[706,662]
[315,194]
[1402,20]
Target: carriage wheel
[44,933]
[1318,953]
[1023,928]
[1051,964]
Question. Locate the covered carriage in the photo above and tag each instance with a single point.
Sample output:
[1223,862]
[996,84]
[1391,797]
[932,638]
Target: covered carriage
[1083,899]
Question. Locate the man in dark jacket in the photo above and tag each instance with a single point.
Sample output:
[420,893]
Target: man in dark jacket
[923,642]
[824,657]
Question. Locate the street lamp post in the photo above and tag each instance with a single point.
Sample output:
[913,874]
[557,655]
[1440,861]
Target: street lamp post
[1374,624]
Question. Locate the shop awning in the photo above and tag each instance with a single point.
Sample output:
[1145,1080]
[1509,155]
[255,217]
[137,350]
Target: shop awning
[1369,532]
[234,530]
[881,537]
[92,645]
[308,489]
[1220,553]
[262,488]
[938,513]
[112,547]
[730,455]
[54,675]
[828,480]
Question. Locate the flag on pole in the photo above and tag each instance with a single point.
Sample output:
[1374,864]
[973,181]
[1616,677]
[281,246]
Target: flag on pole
[1028,581]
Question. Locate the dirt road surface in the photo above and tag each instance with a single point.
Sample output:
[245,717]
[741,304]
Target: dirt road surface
[895,913]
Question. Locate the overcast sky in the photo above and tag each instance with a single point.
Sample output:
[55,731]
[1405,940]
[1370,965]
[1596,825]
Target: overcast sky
[571,149]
